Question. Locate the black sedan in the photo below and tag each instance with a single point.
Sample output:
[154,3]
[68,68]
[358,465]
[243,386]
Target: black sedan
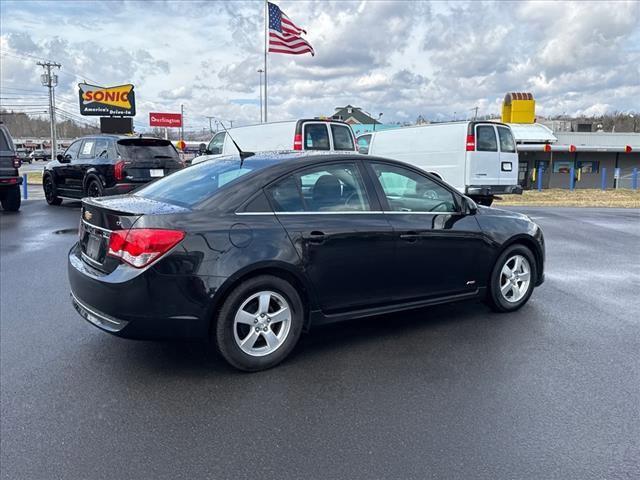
[252,252]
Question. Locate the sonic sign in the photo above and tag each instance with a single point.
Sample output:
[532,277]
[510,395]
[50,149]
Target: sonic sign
[107,101]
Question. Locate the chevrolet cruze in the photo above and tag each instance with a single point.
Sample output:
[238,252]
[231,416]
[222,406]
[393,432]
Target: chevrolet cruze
[250,252]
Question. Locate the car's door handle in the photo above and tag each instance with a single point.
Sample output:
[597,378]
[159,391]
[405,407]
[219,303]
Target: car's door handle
[316,237]
[410,236]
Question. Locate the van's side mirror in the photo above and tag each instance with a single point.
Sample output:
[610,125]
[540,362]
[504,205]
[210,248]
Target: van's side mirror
[202,148]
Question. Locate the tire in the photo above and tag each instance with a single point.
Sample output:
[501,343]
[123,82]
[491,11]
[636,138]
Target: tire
[50,191]
[517,289]
[10,199]
[240,320]
[94,188]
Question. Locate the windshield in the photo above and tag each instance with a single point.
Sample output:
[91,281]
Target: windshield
[195,184]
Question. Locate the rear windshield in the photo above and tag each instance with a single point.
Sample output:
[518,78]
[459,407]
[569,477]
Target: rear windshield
[194,184]
[146,149]
[342,139]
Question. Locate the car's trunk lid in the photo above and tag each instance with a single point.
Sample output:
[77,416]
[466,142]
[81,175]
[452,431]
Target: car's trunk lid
[101,216]
[148,158]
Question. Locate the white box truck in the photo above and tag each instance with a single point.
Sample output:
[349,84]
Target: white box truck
[315,134]
[478,158]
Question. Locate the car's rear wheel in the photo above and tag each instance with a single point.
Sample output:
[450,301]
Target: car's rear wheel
[259,323]
[512,279]
[94,189]
[50,191]
[10,199]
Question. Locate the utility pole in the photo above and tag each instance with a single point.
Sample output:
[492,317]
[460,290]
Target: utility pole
[50,81]
[475,115]
[231,123]
[210,129]
[260,72]
[182,122]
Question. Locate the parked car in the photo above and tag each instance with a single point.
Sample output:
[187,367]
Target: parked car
[306,134]
[478,158]
[10,180]
[253,252]
[107,165]
[23,155]
[40,154]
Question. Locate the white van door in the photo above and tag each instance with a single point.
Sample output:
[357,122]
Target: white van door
[484,162]
[508,156]
[315,136]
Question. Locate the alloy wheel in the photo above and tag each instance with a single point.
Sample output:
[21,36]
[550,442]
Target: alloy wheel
[262,323]
[515,278]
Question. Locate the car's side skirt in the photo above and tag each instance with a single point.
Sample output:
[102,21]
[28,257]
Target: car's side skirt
[317,317]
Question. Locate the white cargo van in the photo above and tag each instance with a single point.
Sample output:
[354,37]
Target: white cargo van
[478,158]
[306,134]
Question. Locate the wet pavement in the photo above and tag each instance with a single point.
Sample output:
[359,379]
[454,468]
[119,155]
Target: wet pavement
[454,391]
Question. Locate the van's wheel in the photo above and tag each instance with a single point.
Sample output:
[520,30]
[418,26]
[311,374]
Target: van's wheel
[512,279]
[10,199]
[50,191]
[486,201]
[259,323]
[94,189]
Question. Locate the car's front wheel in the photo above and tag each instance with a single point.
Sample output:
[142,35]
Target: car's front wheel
[259,323]
[512,279]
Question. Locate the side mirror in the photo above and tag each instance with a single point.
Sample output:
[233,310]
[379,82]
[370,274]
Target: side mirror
[202,148]
[60,158]
[470,207]
[64,158]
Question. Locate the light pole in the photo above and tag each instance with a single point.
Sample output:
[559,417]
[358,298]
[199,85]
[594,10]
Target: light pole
[260,72]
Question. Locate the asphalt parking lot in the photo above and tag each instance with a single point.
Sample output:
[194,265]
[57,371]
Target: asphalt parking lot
[455,391]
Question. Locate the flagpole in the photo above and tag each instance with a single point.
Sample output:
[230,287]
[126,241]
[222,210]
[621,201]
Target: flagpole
[266,39]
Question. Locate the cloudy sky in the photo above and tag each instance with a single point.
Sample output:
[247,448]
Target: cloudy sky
[399,58]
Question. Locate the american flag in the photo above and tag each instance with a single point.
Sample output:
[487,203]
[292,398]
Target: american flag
[284,35]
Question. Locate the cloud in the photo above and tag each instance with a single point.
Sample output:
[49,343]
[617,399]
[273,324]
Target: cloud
[400,58]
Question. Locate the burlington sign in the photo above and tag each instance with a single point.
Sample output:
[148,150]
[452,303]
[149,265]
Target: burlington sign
[165,119]
[107,101]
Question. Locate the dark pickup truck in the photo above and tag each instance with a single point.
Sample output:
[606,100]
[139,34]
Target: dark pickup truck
[10,179]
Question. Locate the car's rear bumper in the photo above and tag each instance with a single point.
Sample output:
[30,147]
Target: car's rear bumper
[10,181]
[138,304]
[490,190]
[121,188]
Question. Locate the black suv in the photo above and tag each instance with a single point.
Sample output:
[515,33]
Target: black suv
[10,180]
[107,165]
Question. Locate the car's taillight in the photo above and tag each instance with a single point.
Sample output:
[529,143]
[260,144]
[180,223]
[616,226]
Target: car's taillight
[471,143]
[297,141]
[141,246]
[16,162]
[119,170]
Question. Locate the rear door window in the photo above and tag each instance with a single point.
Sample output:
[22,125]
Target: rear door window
[325,188]
[342,138]
[316,136]
[486,138]
[5,144]
[507,144]
[101,148]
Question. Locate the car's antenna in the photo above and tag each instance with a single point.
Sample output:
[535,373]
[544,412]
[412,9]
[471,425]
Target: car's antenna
[243,155]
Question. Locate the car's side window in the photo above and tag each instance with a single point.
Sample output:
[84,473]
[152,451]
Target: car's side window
[216,144]
[408,191]
[73,150]
[342,139]
[101,148]
[507,143]
[363,144]
[86,151]
[316,136]
[486,138]
[326,188]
